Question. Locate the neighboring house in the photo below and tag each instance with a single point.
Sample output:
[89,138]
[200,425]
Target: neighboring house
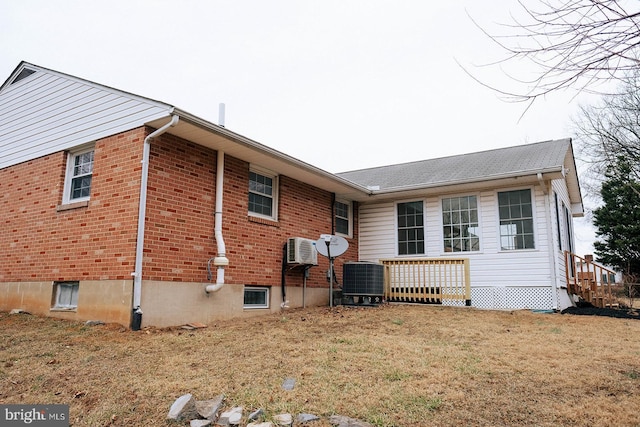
[124,209]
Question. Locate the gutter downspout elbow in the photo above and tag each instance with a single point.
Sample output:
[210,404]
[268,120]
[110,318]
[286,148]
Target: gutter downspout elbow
[142,211]
[221,260]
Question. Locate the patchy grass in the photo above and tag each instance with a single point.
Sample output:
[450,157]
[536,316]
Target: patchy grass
[391,366]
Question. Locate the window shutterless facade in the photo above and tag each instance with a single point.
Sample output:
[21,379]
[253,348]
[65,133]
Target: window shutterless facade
[460,228]
[263,190]
[516,220]
[78,176]
[256,297]
[65,295]
[343,218]
[410,228]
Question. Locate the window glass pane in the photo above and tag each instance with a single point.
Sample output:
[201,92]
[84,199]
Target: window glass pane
[342,226]
[256,297]
[260,204]
[342,217]
[410,228]
[261,193]
[516,220]
[79,177]
[462,216]
[66,294]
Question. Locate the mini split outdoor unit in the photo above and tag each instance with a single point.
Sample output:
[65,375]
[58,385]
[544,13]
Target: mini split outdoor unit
[301,251]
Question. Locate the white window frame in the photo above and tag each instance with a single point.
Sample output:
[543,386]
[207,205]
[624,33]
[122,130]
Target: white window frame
[69,175]
[262,289]
[65,295]
[424,227]
[274,196]
[533,219]
[479,227]
[348,218]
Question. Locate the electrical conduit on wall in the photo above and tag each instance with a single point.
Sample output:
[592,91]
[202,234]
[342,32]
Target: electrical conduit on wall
[142,211]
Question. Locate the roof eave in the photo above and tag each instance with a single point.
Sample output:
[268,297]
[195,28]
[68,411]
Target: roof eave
[447,186]
[288,165]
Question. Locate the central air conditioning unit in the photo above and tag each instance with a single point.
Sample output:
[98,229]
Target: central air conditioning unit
[301,251]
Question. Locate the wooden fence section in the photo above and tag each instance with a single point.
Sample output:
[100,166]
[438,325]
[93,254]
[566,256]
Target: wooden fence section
[591,281]
[427,280]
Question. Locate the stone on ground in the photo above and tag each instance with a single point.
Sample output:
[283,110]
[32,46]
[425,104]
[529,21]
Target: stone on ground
[184,408]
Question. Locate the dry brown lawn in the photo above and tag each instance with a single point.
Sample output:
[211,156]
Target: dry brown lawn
[395,365]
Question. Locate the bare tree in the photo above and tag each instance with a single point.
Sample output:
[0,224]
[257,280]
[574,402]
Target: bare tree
[573,43]
[610,130]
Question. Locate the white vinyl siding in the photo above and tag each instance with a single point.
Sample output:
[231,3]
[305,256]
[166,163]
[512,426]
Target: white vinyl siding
[490,267]
[48,112]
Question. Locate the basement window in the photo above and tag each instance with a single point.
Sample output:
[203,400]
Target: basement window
[256,297]
[65,295]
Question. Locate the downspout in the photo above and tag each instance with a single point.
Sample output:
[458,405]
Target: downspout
[221,260]
[552,258]
[142,211]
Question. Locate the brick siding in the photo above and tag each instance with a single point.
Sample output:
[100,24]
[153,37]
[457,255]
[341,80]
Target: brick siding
[97,242]
[93,242]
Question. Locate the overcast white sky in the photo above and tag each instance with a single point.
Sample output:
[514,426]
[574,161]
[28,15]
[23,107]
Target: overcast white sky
[339,84]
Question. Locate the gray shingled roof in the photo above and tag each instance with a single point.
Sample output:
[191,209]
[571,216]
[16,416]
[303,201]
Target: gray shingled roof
[503,162]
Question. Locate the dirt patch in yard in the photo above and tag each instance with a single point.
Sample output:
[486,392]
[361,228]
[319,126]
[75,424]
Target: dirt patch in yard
[392,366]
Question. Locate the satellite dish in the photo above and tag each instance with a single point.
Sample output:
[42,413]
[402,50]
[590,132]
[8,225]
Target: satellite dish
[337,245]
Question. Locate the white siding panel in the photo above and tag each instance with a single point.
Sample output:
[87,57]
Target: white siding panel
[490,267]
[47,112]
[377,237]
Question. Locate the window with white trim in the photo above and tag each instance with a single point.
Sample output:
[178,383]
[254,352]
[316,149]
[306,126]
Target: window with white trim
[263,192]
[410,228]
[460,228]
[65,295]
[77,186]
[256,297]
[516,220]
[343,218]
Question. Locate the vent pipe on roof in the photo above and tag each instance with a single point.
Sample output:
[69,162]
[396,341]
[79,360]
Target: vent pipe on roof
[221,114]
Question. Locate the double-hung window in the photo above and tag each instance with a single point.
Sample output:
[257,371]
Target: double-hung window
[343,218]
[516,220]
[263,190]
[410,228]
[460,224]
[78,176]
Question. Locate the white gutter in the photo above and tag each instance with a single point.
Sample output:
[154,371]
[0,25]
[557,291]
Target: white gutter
[220,261]
[142,211]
